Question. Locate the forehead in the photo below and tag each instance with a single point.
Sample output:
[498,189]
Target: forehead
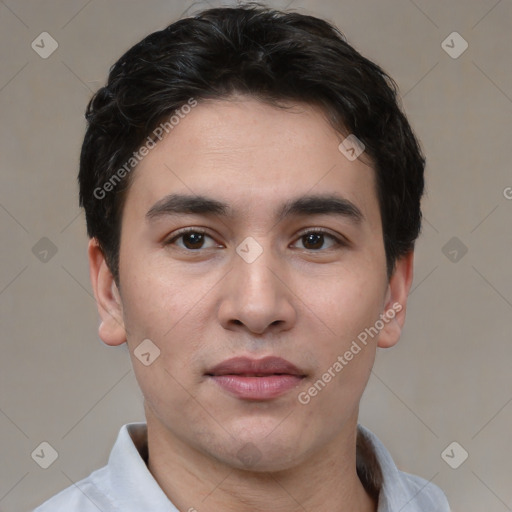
[249,154]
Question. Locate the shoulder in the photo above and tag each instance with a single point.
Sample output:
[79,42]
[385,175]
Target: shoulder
[399,490]
[422,494]
[123,485]
[98,490]
[83,496]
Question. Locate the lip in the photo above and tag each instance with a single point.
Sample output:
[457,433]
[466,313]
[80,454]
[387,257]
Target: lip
[256,379]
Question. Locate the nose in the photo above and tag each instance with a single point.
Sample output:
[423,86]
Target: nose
[258,296]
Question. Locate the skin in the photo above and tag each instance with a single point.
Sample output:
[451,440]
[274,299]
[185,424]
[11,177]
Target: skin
[297,300]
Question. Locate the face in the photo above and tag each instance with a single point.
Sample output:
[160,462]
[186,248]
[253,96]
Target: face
[263,270]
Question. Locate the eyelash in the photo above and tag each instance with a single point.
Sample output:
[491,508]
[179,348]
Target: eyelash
[339,242]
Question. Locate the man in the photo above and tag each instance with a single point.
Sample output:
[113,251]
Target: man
[252,194]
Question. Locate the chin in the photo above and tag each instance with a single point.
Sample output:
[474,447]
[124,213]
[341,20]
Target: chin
[262,451]
[252,458]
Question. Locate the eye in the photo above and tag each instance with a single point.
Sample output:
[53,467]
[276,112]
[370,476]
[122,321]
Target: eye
[193,239]
[315,239]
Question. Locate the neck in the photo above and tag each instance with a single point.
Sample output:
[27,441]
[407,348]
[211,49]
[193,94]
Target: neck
[195,481]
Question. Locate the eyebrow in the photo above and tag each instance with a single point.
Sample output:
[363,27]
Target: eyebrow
[318,204]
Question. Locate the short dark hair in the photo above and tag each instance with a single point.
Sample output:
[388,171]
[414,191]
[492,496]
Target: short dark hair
[273,56]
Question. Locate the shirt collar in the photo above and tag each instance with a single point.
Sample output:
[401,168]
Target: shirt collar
[135,488]
[396,491]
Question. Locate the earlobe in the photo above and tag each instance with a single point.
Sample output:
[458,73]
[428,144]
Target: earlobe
[396,301]
[111,330]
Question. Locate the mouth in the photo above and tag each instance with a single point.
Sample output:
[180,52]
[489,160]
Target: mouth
[256,379]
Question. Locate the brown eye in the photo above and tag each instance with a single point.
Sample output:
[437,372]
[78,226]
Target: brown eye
[315,240]
[192,239]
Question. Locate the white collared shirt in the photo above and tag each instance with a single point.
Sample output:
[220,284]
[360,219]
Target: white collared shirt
[125,484]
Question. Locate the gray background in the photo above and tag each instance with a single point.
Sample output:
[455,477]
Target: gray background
[447,380]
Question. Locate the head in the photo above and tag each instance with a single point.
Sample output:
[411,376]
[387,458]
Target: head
[269,55]
[247,106]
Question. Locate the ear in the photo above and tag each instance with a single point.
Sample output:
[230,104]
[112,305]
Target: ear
[396,301]
[111,330]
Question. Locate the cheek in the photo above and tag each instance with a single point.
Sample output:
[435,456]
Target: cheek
[348,307]
[347,302]
[163,310]
[167,394]
[155,305]
[345,358]
[156,310]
